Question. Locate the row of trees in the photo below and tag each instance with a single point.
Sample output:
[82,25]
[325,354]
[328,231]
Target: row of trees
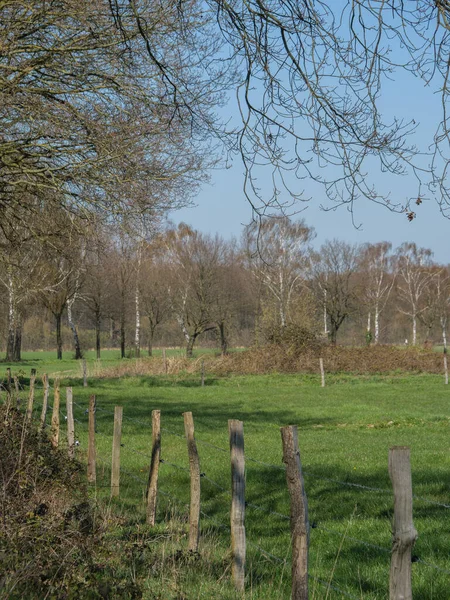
[139,284]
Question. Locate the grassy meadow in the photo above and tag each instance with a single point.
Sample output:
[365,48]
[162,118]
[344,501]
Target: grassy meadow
[345,432]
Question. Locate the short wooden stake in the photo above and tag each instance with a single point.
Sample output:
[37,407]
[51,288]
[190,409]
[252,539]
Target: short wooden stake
[115,464]
[70,423]
[237,517]
[91,465]
[194,467]
[55,415]
[152,487]
[404,534]
[322,372]
[85,383]
[299,513]
[44,400]
[31,395]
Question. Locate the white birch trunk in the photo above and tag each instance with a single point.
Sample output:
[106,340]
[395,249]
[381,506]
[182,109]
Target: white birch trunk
[377,324]
[414,338]
[325,322]
[137,298]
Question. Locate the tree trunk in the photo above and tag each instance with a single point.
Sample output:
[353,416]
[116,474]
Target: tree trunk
[333,333]
[11,323]
[58,317]
[18,340]
[223,339]
[76,339]
[414,339]
[137,335]
[377,325]
[122,325]
[190,346]
[98,323]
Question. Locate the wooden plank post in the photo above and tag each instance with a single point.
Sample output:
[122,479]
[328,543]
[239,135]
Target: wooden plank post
[31,395]
[115,463]
[70,423]
[237,517]
[299,513]
[152,487]
[44,400]
[55,415]
[194,468]
[404,535]
[85,383]
[91,465]
[322,372]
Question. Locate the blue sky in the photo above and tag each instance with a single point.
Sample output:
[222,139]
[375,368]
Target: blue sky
[221,206]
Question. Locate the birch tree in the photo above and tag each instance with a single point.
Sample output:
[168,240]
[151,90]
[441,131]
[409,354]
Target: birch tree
[414,276]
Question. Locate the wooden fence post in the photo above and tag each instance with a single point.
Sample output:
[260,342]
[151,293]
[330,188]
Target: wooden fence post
[91,466]
[85,384]
[404,535]
[115,464]
[70,423]
[152,486]
[31,395]
[322,372]
[44,400]
[237,517]
[194,467]
[299,513]
[55,415]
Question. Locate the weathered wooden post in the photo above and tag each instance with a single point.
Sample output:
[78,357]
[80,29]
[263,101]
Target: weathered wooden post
[322,372]
[115,464]
[299,513]
[404,535]
[31,395]
[44,400]
[91,466]
[55,415]
[237,517]
[70,423]
[194,467]
[152,486]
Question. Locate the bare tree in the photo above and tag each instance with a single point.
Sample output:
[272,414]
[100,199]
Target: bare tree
[333,271]
[378,281]
[278,250]
[414,276]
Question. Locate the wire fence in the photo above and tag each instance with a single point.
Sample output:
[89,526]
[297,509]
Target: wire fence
[317,528]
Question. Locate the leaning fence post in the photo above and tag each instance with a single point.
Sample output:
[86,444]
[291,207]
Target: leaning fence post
[237,517]
[44,400]
[194,467]
[31,395]
[152,486]
[299,513]
[55,415]
[322,372]
[404,535]
[115,464]
[91,466]
[70,423]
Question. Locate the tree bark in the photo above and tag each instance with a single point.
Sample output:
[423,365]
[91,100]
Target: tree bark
[190,346]
[76,339]
[58,317]
[223,339]
[98,322]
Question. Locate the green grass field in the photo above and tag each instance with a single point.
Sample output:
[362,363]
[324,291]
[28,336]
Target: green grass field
[345,432]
